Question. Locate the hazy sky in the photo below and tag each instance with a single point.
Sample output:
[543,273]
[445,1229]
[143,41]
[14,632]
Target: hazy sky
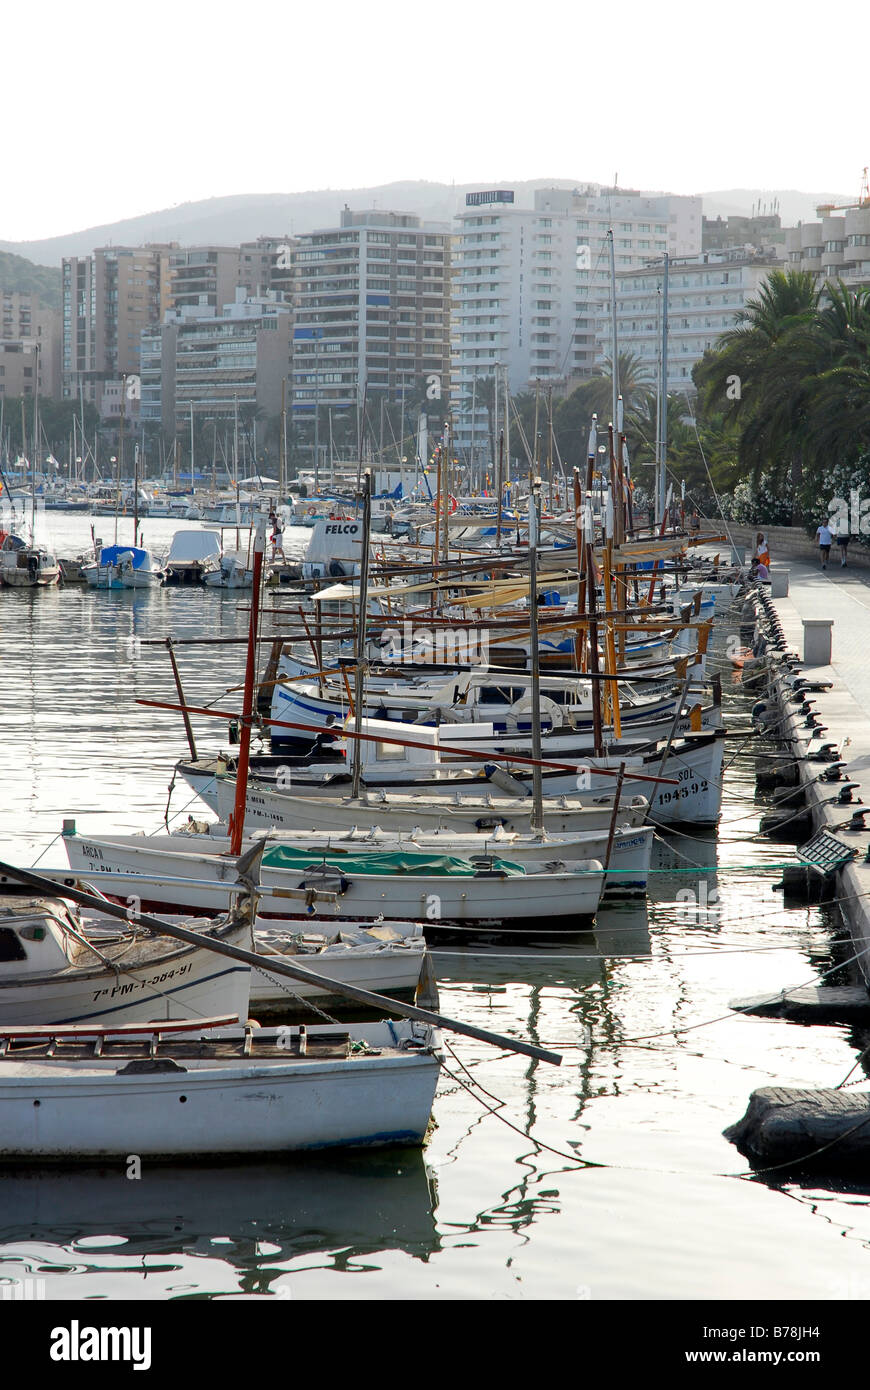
[128,108]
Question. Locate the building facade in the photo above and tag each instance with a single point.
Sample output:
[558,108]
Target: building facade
[27,322]
[705,294]
[529,284]
[371,304]
[837,247]
[210,365]
[109,298]
[204,277]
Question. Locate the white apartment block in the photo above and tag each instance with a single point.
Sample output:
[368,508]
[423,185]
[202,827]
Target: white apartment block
[705,294]
[529,282]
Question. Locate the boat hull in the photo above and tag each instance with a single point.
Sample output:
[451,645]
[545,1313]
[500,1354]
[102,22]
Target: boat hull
[181,983]
[193,882]
[85,1111]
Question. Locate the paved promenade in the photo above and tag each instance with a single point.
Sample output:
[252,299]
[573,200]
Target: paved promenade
[842,595]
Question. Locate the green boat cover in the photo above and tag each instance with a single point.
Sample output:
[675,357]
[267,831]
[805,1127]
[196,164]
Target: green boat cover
[398,862]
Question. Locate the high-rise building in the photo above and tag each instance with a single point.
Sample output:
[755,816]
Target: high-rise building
[529,282]
[211,364]
[266,266]
[371,314]
[204,277]
[108,299]
[27,322]
[837,247]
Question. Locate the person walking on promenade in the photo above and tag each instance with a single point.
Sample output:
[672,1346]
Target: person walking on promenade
[843,538]
[824,540]
[762,549]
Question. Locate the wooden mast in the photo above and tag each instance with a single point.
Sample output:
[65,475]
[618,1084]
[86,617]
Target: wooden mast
[237,819]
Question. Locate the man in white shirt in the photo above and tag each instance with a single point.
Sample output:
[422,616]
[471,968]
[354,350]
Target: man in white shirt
[824,539]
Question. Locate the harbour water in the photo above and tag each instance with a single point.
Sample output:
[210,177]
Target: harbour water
[607,1178]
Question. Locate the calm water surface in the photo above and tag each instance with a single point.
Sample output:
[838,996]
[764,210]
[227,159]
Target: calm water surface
[644,1198]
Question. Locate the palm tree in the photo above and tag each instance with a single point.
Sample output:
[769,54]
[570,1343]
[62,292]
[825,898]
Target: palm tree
[838,424]
[573,415]
[759,376]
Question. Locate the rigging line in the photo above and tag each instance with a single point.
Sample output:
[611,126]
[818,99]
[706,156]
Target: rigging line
[43,852]
[707,470]
[707,1023]
[491,1110]
[616,955]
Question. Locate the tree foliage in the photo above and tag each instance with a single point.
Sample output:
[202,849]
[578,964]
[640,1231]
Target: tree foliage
[793,379]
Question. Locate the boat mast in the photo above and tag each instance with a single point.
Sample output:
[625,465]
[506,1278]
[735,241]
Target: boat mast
[35,446]
[662,450]
[120,473]
[282,450]
[237,820]
[359,676]
[135,494]
[614,361]
[537,817]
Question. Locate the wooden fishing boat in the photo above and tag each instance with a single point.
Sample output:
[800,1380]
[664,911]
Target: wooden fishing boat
[374,957]
[84,1094]
[50,972]
[629,848]
[123,567]
[434,887]
[267,805]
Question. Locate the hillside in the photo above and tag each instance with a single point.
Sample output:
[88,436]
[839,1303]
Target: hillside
[22,275]
[243,217]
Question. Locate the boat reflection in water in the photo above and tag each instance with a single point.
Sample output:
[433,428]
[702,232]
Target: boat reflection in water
[228,1229]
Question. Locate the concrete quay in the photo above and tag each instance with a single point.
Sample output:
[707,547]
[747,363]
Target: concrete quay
[842,597]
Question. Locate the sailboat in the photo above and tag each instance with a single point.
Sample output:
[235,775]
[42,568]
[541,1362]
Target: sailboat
[23,565]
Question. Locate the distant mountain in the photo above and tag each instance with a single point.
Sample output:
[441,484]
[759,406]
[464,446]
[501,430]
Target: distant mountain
[22,275]
[227,221]
[243,217]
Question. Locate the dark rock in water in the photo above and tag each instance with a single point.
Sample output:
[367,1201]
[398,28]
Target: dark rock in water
[778,774]
[805,1129]
[789,826]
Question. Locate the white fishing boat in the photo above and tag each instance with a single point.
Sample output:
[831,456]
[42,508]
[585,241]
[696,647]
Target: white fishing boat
[234,572]
[630,848]
[435,887]
[192,555]
[78,1095]
[682,782]
[268,805]
[51,972]
[383,957]
[123,567]
[25,566]
[473,697]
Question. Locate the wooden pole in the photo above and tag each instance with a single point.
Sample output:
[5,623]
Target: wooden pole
[237,819]
[359,675]
[188,727]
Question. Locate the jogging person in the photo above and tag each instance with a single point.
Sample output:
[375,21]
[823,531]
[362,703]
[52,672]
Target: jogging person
[843,538]
[824,540]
